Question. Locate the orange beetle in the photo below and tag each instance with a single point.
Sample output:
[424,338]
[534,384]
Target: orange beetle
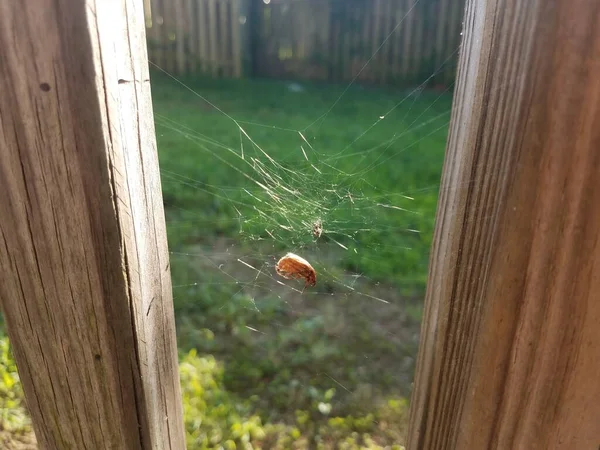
[293,266]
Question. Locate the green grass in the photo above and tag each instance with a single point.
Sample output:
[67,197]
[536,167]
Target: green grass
[356,175]
[283,352]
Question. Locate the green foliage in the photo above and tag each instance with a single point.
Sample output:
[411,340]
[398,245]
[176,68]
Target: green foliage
[291,362]
[213,417]
[283,358]
[206,188]
[13,414]
[381,429]
[216,418]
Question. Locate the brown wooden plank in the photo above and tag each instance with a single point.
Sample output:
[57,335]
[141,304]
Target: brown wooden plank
[86,290]
[179,35]
[510,340]
[202,36]
[191,28]
[236,41]
[396,58]
[213,37]
[224,58]
[169,29]
[156,34]
[441,31]
[375,40]
[388,27]
[346,37]
[417,47]
[336,71]
[408,38]
[325,45]
[148,22]
[453,38]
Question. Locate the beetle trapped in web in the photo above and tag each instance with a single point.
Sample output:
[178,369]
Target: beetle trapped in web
[294,267]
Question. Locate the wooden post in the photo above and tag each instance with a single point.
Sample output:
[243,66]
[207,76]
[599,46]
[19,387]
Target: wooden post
[85,288]
[510,347]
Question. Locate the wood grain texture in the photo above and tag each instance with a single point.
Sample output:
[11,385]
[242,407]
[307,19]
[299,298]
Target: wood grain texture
[236,40]
[86,289]
[510,349]
[181,56]
[213,38]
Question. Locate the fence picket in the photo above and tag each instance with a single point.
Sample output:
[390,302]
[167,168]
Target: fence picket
[205,36]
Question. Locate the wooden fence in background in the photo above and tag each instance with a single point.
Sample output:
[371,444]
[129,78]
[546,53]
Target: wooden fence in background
[377,41]
[195,36]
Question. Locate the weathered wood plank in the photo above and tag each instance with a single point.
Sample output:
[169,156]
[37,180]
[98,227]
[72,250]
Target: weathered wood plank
[203,38]
[224,39]
[509,357]
[408,18]
[213,37]
[86,289]
[180,35]
[236,38]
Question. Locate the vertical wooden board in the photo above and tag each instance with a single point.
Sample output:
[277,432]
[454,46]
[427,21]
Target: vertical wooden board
[191,38]
[277,33]
[324,48]
[388,35]
[225,61]
[454,38]
[423,47]
[142,220]
[258,25]
[431,23]
[179,35]
[408,38]
[443,25]
[380,58]
[85,289]
[213,37]
[354,36]
[148,23]
[236,42]
[169,35]
[304,31]
[345,60]
[202,36]
[334,59]
[417,42]
[396,42]
[366,36]
[361,33]
[427,12]
[508,355]
[156,33]
[375,41]
[248,36]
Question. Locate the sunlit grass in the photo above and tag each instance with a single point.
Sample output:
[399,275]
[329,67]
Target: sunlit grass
[370,172]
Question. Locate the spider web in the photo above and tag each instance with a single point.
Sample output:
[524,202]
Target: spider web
[284,199]
[281,182]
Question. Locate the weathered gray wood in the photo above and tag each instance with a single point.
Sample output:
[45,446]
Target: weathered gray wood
[510,351]
[85,289]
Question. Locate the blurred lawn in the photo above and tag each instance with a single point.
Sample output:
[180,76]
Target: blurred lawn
[355,173]
[286,354]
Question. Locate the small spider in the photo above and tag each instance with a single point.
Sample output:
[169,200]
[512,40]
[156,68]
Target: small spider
[318,229]
[293,266]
